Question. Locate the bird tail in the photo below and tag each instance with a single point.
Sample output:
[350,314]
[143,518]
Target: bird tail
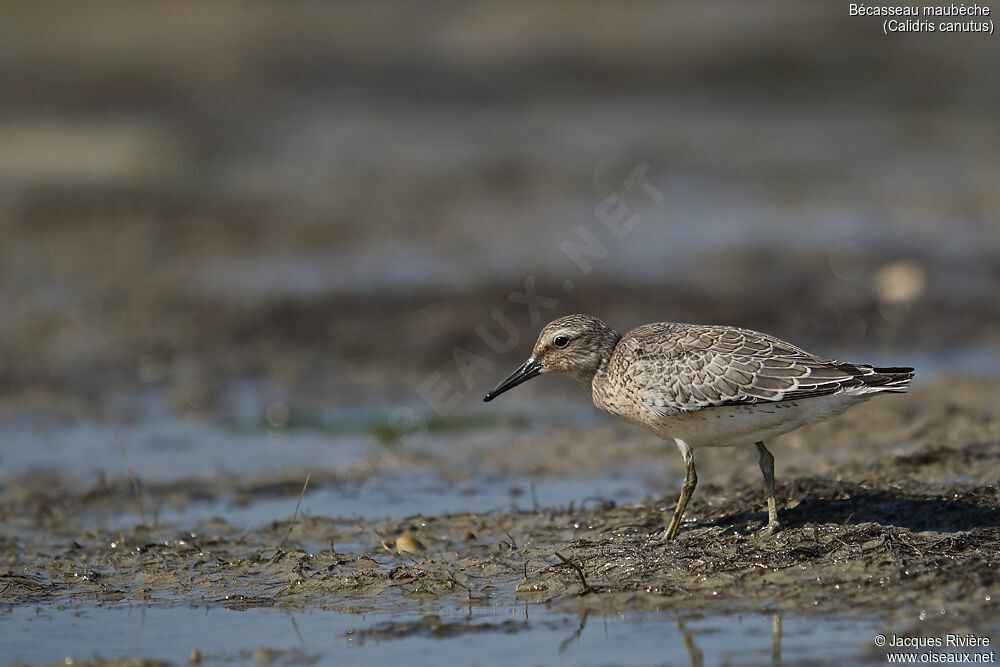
[891,378]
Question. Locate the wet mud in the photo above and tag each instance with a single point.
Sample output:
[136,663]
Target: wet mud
[901,521]
[220,252]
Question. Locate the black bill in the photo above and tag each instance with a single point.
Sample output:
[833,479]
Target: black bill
[529,370]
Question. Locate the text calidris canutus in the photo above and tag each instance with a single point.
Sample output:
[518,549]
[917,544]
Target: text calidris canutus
[703,386]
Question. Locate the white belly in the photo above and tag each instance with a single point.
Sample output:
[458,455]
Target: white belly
[746,424]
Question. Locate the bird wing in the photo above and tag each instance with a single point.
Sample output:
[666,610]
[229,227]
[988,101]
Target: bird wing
[681,368]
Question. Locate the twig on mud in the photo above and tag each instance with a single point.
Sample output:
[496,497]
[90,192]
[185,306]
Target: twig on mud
[579,571]
[195,545]
[452,579]
[295,516]
[135,481]
[913,547]
[513,544]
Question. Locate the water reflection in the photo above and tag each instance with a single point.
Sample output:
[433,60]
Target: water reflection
[457,635]
[776,639]
[695,656]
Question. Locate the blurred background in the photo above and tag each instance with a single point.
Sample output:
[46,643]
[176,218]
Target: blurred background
[250,237]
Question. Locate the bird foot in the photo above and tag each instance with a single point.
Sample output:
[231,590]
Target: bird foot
[770,530]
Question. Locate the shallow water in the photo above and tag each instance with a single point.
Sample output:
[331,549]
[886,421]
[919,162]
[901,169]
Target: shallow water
[402,495]
[170,607]
[183,214]
[452,635]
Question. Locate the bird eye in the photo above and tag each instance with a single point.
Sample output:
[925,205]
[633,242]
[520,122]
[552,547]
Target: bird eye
[560,341]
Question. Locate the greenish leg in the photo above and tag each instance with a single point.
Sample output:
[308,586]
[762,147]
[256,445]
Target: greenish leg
[690,481]
[766,461]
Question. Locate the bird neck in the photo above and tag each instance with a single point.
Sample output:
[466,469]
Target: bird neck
[592,380]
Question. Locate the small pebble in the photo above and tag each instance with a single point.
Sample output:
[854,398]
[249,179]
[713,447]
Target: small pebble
[407,544]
